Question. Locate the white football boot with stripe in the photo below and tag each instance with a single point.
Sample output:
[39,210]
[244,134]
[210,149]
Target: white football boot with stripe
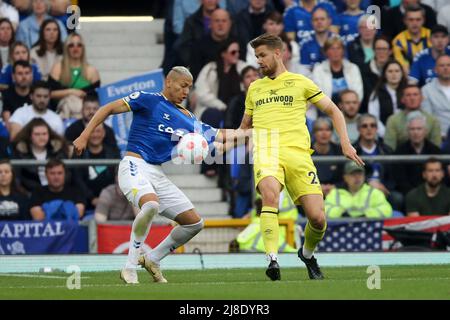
[152,268]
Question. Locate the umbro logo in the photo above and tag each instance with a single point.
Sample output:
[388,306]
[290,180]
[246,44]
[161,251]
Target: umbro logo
[166,116]
[273,92]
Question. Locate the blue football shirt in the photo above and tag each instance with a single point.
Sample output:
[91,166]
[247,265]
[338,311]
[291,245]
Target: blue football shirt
[297,19]
[422,69]
[158,125]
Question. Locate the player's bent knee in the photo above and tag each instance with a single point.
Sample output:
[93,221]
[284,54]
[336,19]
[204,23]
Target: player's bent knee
[270,198]
[319,221]
[148,197]
[150,209]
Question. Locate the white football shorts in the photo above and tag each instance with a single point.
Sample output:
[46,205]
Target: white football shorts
[137,177]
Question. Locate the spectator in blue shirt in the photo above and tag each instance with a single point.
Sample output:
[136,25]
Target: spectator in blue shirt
[422,70]
[18,51]
[23,8]
[349,21]
[28,30]
[342,5]
[311,48]
[298,22]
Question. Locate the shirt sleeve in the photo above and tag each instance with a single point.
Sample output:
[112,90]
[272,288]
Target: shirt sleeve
[79,198]
[412,203]
[17,117]
[335,20]
[5,75]
[249,102]
[209,132]
[312,92]
[397,50]
[134,101]
[414,73]
[36,200]
[289,21]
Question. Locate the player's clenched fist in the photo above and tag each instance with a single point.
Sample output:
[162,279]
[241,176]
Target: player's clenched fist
[80,144]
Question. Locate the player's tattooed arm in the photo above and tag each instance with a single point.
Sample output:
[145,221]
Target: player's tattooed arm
[117,106]
[331,109]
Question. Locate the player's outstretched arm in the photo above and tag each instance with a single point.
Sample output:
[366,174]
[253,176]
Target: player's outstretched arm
[230,138]
[118,106]
[331,109]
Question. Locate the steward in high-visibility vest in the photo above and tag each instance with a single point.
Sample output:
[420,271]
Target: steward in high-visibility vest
[358,199]
[250,239]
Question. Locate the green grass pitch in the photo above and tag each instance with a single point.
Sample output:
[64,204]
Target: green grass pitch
[397,282]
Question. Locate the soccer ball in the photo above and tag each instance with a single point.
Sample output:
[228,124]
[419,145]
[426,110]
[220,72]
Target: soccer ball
[192,148]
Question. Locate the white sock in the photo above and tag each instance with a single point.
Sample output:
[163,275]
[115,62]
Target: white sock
[307,253]
[139,232]
[272,256]
[177,237]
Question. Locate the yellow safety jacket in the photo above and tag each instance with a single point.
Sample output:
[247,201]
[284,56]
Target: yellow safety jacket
[368,202]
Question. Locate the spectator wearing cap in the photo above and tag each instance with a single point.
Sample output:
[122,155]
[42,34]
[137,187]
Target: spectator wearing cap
[356,199]
[436,94]
[422,70]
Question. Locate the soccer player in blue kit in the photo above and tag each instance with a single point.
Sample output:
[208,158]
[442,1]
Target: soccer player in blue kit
[157,117]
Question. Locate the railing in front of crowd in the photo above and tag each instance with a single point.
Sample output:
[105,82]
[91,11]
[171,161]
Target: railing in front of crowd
[316,159]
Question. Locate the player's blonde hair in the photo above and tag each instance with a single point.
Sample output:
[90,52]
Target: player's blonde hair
[182,71]
[271,41]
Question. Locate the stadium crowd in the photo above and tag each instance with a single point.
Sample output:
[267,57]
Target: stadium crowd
[392,84]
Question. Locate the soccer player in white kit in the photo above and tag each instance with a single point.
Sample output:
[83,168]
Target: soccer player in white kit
[157,117]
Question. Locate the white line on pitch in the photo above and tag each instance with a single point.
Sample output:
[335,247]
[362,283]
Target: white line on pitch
[26,275]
